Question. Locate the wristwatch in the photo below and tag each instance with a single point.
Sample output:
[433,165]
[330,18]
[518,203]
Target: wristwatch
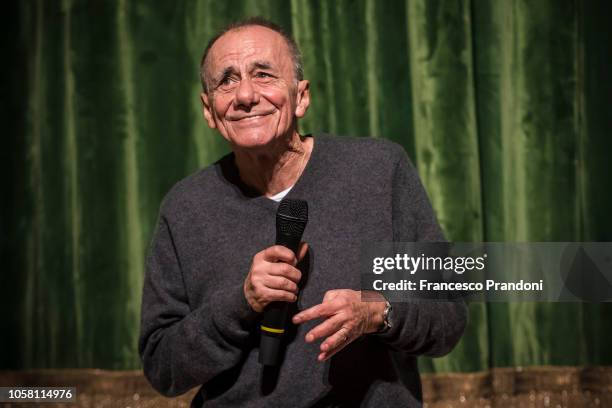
[386,319]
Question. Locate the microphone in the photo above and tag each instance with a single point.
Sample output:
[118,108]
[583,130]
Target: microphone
[291,219]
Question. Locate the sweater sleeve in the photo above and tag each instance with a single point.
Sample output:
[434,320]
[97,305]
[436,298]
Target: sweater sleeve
[182,348]
[429,328]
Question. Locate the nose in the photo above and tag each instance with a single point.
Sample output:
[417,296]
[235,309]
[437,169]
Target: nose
[246,95]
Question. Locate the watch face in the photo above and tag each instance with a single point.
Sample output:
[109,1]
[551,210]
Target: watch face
[386,313]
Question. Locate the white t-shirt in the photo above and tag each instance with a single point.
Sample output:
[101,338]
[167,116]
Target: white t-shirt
[279,196]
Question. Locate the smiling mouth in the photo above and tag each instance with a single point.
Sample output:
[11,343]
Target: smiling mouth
[250,117]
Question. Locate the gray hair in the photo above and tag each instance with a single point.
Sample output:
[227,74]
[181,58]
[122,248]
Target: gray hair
[296,56]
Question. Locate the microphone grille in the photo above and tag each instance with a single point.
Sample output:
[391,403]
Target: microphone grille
[294,209]
[291,217]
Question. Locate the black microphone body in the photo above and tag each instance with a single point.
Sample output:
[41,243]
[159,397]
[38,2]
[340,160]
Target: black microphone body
[291,220]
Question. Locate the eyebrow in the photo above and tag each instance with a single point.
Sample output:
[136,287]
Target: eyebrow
[226,73]
[262,65]
[229,71]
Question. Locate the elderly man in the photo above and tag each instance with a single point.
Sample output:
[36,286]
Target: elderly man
[212,270]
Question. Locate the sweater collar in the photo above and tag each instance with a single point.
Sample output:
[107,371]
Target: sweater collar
[228,171]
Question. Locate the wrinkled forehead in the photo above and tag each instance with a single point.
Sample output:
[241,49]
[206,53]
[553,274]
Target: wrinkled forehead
[241,46]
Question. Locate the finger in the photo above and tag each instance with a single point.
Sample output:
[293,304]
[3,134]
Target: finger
[279,253]
[277,295]
[315,312]
[327,328]
[303,249]
[280,283]
[285,270]
[334,343]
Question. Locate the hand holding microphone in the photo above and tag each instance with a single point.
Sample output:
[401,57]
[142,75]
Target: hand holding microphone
[273,276]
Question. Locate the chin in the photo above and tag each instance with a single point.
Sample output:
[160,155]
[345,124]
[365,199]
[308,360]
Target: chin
[253,140]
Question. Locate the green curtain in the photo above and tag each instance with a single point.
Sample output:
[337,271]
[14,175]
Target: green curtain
[503,106]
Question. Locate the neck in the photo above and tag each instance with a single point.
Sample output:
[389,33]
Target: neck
[277,167]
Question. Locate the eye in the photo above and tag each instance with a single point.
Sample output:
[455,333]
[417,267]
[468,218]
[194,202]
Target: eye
[262,74]
[226,82]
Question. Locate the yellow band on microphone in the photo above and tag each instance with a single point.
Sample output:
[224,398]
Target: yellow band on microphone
[272,330]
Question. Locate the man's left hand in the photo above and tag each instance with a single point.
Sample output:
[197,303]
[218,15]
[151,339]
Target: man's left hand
[346,316]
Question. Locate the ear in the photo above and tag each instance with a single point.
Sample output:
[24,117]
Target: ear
[302,98]
[207,110]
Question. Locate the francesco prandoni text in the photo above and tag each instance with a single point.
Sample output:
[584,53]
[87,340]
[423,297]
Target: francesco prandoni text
[456,264]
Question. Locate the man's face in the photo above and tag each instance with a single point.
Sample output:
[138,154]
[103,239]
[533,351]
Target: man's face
[253,96]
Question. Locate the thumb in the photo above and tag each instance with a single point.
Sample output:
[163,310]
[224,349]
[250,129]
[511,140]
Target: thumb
[302,251]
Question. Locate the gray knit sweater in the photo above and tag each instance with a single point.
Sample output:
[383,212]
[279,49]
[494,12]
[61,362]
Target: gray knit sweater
[198,329]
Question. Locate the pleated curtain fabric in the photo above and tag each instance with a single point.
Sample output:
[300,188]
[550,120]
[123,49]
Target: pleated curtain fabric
[504,106]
